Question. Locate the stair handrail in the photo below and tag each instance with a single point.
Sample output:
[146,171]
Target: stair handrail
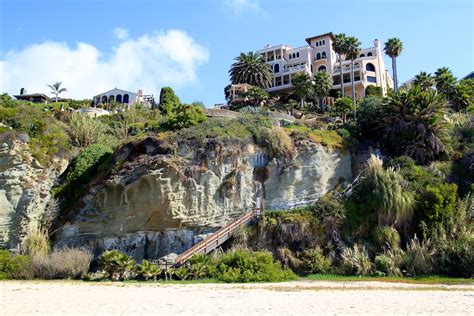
[229,228]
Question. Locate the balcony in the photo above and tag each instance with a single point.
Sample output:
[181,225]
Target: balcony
[297,68]
[345,68]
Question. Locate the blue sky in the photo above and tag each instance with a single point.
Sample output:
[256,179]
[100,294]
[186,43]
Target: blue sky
[189,45]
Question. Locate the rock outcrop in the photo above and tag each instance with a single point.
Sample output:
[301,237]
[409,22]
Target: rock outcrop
[154,202]
[25,188]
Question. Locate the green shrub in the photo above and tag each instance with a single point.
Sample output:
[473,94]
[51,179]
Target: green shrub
[355,261]
[84,166]
[147,270]
[185,116]
[68,263]
[14,266]
[117,264]
[201,267]
[314,262]
[247,266]
[374,91]
[455,256]
[388,263]
[437,204]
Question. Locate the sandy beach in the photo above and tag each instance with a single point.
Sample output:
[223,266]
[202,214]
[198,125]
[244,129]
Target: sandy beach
[289,298]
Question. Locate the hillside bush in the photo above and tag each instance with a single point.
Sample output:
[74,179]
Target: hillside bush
[84,166]
[36,243]
[247,266]
[314,261]
[14,266]
[389,263]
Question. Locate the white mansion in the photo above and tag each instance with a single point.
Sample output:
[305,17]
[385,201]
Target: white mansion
[318,55]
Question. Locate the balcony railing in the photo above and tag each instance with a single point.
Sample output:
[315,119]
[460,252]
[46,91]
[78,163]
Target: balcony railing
[346,68]
[296,68]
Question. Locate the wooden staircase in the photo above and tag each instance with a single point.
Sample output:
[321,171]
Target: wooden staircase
[217,238]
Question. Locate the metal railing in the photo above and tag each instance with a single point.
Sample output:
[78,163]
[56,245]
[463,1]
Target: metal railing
[217,238]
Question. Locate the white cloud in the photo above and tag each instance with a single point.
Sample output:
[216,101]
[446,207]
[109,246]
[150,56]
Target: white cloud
[240,6]
[121,33]
[170,57]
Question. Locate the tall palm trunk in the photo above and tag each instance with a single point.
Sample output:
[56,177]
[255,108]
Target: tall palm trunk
[353,86]
[394,69]
[342,76]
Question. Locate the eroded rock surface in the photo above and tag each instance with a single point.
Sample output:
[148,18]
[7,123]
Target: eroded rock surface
[25,188]
[154,203]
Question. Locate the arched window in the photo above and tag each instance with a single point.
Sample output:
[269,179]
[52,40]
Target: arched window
[104,99]
[298,54]
[369,54]
[362,55]
[318,56]
[322,68]
[119,98]
[323,55]
[125,98]
[277,68]
[369,67]
[111,98]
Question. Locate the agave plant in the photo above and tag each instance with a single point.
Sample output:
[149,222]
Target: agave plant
[117,264]
[147,270]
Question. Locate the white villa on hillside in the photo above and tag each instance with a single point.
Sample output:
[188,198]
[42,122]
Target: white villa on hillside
[318,55]
[117,95]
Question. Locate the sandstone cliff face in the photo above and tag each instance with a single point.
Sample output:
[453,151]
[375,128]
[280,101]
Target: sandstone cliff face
[152,204]
[24,190]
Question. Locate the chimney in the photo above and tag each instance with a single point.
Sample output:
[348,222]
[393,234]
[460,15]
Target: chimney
[376,42]
[22,91]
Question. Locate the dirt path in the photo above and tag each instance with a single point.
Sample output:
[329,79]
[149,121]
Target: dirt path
[290,298]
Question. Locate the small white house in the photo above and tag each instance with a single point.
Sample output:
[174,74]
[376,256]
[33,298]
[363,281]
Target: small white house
[117,95]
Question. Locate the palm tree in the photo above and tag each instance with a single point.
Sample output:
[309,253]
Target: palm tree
[339,45]
[411,124]
[322,86]
[353,51]
[303,86]
[445,81]
[56,89]
[393,48]
[424,80]
[250,68]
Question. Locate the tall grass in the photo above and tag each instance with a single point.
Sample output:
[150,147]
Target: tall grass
[68,263]
[36,243]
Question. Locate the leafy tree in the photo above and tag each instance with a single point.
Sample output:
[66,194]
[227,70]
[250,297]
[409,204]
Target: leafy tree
[339,45]
[369,112]
[252,69]
[303,87]
[343,106]
[169,101]
[56,89]
[353,52]
[322,86]
[411,124]
[424,80]
[393,48]
[255,96]
[186,115]
[373,91]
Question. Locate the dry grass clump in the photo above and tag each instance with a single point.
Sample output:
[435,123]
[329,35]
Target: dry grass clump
[68,263]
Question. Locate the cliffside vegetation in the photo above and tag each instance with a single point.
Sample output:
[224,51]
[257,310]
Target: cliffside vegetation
[409,212]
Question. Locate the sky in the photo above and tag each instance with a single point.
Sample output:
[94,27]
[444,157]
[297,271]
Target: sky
[92,46]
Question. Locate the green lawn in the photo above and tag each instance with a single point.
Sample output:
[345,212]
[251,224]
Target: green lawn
[431,279]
